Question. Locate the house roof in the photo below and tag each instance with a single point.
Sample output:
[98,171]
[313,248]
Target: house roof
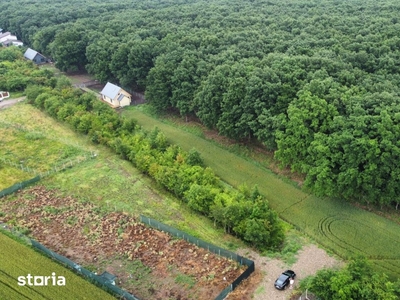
[7,42]
[30,54]
[110,90]
[5,34]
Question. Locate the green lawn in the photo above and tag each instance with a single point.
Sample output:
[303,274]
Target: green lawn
[20,260]
[10,175]
[335,224]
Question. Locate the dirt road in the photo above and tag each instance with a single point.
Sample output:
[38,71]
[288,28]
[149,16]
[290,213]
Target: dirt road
[7,103]
[309,260]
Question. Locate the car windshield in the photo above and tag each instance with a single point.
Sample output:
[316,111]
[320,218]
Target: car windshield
[282,279]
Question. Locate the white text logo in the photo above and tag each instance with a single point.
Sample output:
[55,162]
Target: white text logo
[41,280]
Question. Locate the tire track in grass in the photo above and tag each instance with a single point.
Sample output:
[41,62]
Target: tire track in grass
[293,204]
[326,227]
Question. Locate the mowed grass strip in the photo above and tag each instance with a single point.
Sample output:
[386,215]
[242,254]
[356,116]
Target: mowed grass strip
[335,224]
[19,260]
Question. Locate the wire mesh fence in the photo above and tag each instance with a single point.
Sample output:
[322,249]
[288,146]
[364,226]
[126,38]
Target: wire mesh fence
[210,247]
[66,164]
[104,283]
[18,186]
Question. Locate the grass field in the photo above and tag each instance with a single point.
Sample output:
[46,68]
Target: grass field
[14,262]
[335,224]
[28,144]
[10,175]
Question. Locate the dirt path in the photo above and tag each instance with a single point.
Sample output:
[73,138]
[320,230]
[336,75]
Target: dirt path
[309,260]
[7,103]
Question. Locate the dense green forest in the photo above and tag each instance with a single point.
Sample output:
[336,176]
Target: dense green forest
[315,81]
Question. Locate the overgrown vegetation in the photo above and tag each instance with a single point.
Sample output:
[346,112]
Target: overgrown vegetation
[17,73]
[244,213]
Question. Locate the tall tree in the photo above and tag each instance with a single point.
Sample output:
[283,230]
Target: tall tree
[69,49]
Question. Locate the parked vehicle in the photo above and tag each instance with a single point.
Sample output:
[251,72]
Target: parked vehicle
[283,281]
[4,95]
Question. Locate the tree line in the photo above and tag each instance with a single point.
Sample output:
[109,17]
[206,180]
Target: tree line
[316,82]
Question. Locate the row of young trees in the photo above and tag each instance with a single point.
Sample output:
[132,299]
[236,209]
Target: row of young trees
[266,70]
[244,213]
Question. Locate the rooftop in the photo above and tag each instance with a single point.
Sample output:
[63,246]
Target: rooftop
[110,90]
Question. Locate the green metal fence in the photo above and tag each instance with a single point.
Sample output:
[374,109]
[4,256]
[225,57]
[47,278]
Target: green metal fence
[99,280]
[210,247]
[18,186]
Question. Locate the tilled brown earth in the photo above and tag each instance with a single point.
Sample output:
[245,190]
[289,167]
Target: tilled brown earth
[148,263]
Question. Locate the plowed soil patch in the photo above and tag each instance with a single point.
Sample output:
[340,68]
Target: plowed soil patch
[148,263]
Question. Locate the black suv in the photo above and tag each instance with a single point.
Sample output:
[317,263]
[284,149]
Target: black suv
[283,281]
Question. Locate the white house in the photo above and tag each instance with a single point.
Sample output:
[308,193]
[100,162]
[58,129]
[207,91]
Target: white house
[8,39]
[115,95]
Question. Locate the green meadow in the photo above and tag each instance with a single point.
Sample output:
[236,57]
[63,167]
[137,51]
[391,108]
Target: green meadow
[335,224]
[14,263]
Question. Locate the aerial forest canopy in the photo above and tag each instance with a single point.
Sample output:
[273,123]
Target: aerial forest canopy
[315,81]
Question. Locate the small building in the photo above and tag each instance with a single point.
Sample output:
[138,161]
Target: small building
[8,43]
[35,56]
[8,39]
[6,36]
[115,95]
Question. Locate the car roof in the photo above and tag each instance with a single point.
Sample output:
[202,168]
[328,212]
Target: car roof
[288,272]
